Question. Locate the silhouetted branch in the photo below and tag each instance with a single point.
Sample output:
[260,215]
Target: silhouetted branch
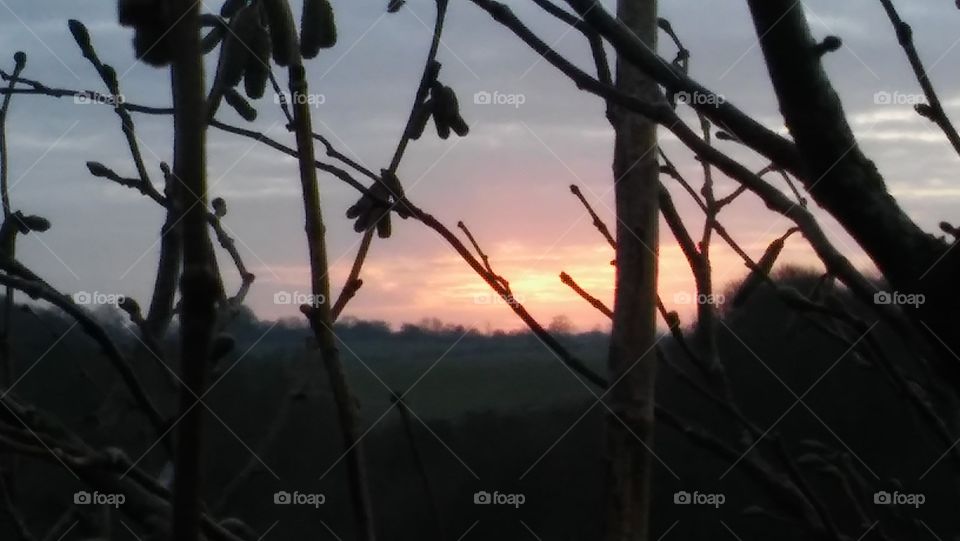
[595,302]
[835,261]
[115,98]
[228,244]
[161,308]
[6,362]
[720,111]
[846,183]
[724,404]
[780,487]
[253,464]
[10,507]
[420,464]
[20,60]
[320,315]
[934,111]
[597,222]
[483,257]
[38,290]
[818,504]
[38,88]
[429,76]
[160,312]
[593,38]
[353,282]
[108,470]
[493,281]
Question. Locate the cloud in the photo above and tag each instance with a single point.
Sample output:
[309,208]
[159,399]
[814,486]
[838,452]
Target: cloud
[508,180]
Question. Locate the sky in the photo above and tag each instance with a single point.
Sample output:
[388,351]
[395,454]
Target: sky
[508,180]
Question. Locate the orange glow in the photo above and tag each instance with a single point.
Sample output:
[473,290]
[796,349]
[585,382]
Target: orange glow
[407,289]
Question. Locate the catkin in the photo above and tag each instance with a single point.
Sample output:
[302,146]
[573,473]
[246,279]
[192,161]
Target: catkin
[236,47]
[151,21]
[446,112]
[231,7]
[233,56]
[459,125]
[372,210]
[445,109]
[283,36]
[257,71]
[395,187]
[136,12]
[383,224]
[149,46]
[240,105]
[318,28]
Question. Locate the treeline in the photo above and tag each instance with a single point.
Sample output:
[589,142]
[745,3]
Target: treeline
[491,414]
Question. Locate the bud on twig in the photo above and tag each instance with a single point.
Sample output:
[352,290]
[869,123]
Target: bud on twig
[828,45]
[219,207]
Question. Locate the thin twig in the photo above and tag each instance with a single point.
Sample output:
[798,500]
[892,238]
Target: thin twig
[430,71]
[353,283]
[936,112]
[595,302]
[420,463]
[597,222]
[320,315]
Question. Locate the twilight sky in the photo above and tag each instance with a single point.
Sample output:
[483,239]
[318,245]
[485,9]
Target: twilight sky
[507,180]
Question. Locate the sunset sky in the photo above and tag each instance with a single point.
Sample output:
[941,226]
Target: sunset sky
[508,180]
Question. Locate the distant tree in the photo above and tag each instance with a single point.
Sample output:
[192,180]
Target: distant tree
[560,325]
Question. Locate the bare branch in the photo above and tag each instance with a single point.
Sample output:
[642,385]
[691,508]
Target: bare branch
[935,111]
[595,302]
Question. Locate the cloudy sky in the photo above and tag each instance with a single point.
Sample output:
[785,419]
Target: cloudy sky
[507,180]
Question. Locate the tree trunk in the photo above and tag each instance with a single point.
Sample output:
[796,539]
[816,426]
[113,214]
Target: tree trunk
[198,282]
[632,359]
